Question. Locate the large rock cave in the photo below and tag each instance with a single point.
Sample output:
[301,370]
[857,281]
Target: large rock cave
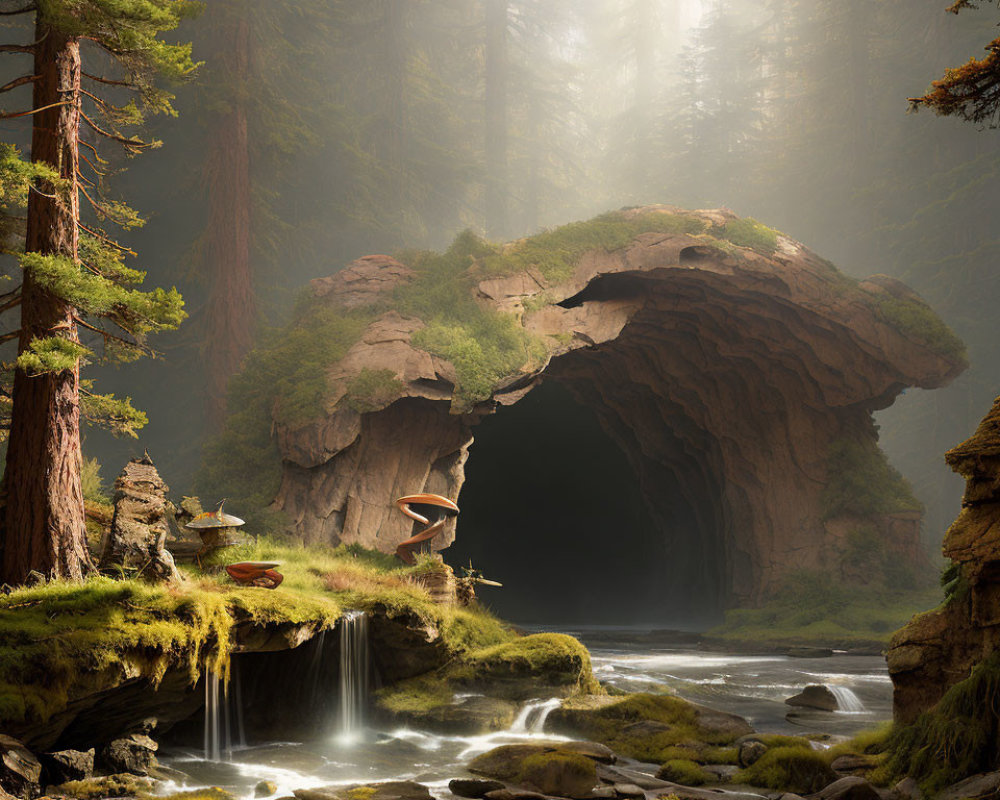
[723,375]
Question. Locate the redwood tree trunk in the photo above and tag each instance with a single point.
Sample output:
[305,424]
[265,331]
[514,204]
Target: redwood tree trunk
[497,188]
[232,309]
[44,526]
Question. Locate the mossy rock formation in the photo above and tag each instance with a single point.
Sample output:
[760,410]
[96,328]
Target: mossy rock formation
[729,362]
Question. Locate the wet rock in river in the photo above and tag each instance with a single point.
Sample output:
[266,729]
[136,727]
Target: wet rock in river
[750,752]
[68,765]
[849,788]
[473,787]
[550,768]
[134,754]
[20,771]
[265,789]
[814,696]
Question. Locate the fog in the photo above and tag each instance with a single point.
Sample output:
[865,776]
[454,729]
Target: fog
[338,129]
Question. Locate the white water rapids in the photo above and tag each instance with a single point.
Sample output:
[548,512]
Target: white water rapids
[753,686]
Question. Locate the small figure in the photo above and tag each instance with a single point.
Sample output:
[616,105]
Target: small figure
[428,506]
[256,573]
[213,527]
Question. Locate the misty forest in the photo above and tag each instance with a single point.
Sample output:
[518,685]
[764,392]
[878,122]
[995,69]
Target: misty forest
[499,399]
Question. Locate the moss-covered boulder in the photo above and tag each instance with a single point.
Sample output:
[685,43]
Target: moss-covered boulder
[552,769]
[385,790]
[649,727]
[481,690]
[790,769]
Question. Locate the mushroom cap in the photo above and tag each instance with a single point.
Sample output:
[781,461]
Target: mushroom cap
[429,500]
[215,519]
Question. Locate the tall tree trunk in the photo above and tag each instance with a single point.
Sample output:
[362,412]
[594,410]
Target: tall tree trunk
[497,189]
[232,304]
[44,526]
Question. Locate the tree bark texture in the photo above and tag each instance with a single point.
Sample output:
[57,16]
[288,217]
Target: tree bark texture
[44,528]
[232,312]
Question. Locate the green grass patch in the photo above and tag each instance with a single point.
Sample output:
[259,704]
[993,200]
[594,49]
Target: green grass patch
[815,608]
[748,232]
[684,772]
[372,389]
[916,320]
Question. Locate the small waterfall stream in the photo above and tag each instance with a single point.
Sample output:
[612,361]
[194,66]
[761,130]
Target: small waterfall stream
[531,718]
[353,674]
[847,700]
[224,727]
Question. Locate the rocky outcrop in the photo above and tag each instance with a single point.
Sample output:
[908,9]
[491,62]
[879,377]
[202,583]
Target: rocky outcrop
[136,544]
[726,373]
[938,649]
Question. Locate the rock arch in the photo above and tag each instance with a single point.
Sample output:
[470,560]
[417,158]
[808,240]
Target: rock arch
[728,370]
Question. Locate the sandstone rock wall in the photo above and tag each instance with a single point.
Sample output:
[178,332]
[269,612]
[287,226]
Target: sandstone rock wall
[724,372]
[939,648]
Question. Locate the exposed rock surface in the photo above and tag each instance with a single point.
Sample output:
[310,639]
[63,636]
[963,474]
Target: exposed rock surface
[68,765]
[136,543]
[134,754]
[20,771]
[725,374]
[939,648]
[814,696]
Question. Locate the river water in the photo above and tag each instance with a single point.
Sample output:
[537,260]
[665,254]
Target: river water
[752,686]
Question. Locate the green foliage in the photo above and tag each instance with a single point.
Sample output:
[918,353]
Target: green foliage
[916,320]
[789,769]
[684,772]
[284,377]
[51,354]
[485,346]
[816,608]
[957,738]
[372,389]
[555,253]
[862,482]
[91,483]
[111,413]
[747,232]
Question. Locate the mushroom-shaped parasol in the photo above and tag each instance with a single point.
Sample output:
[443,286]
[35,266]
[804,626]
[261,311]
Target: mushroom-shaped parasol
[430,509]
[212,527]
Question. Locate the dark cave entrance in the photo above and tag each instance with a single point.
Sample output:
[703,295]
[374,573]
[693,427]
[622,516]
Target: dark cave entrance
[552,508]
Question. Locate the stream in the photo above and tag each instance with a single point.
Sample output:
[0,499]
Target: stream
[753,686]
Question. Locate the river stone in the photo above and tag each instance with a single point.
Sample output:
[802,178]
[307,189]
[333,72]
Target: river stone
[387,790]
[592,750]
[265,789]
[850,788]
[551,768]
[473,787]
[814,696]
[68,765]
[751,751]
[987,783]
[134,754]
[628,790]
[907,789]
[20,771]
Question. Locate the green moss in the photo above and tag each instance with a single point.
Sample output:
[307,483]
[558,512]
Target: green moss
[556,253]
[958,738]
[747,232]
[372,389]
[684,772]
[861,482]
[559,772]
[110,786]
[916,320]
[209,793]
[774,740]
[361,792]
[91,483]
[555,658]
[790,769]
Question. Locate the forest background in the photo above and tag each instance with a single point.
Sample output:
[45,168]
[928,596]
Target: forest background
[319,131]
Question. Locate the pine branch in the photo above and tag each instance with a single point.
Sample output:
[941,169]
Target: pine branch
[12,303]
[106,240]
[130,144]
[10,336]
[30,111]
[17,48]
[84,179]
[19,82]
[109,81]
[25,10]
[108,335]
[97,155]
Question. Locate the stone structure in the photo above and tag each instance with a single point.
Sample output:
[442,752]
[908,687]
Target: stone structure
[939,648]
[136,543]
[725,374]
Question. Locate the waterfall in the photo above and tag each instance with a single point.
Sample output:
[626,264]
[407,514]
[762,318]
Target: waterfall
[353,673]
[223,714]
[531,718]
[847,700]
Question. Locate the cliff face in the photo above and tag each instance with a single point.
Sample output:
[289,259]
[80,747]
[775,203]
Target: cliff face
[939,648]
[728,367]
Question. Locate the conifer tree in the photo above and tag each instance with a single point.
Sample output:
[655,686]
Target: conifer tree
[97,67]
